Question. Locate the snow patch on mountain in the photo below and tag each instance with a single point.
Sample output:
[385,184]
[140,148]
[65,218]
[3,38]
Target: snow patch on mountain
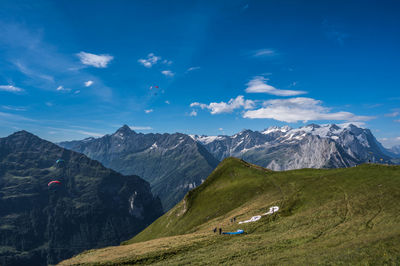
[206,139]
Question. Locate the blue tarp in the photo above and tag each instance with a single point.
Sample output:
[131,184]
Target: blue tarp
[238,232]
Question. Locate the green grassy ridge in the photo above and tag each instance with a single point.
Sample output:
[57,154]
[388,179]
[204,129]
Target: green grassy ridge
[231,184]
[347,216]
[235,182]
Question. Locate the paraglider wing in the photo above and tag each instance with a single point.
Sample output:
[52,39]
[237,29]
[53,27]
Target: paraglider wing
[238,232]
[60,161]
[53,182]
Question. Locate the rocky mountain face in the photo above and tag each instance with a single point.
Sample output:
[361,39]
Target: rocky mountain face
[312,146]
[172,163]
[90,207]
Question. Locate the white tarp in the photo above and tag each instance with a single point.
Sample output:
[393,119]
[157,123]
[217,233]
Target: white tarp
[272,210]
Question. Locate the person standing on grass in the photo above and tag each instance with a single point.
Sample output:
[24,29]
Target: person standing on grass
[220,230]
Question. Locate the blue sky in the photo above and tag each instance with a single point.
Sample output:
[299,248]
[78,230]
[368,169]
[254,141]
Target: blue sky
[74,69]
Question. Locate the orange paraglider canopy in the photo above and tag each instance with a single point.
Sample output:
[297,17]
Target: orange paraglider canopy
[53,182]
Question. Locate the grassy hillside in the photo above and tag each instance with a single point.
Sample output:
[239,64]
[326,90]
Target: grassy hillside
[332,216]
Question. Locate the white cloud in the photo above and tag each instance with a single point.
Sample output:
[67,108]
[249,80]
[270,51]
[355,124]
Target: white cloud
[151,60]
[88,83]
[10,88]
[264,53]
[148,111]
[140,128]
[192,69]
[49,104]
[99,61]
[398,120]
[394,114]
[193,113]
[167,102]
[259,85]
[61,88]
[168,73]
[222,107]
[220,129]
[300,109]
[76,92]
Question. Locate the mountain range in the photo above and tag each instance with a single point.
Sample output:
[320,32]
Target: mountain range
[175,163]
[172,163]
[90,206]
[311,146]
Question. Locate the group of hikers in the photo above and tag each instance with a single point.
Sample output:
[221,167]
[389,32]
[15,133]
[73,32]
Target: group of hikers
[220,229]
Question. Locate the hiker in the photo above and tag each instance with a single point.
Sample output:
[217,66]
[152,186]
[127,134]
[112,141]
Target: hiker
[220,230]
[231,220]
[215,230]
[234,219]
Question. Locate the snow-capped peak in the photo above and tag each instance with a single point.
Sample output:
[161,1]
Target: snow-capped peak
[271,129]
[206,139]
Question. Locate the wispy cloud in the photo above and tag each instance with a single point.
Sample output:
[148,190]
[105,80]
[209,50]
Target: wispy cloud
[300,109]
[259,85]
[333,32]
[13,117]
[167,62]
[167,102]
[193,113]
[88,83]
[192,69]
[99,61]
[76,131]
[168,73]
[148,111]
[264,53]
[397,120]
[394,114]
[140,128]
[32,73]
[10,88]
[87,133]
[223,107]
[13,108]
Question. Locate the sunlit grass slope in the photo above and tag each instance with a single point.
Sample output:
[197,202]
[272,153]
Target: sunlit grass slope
[335,216]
